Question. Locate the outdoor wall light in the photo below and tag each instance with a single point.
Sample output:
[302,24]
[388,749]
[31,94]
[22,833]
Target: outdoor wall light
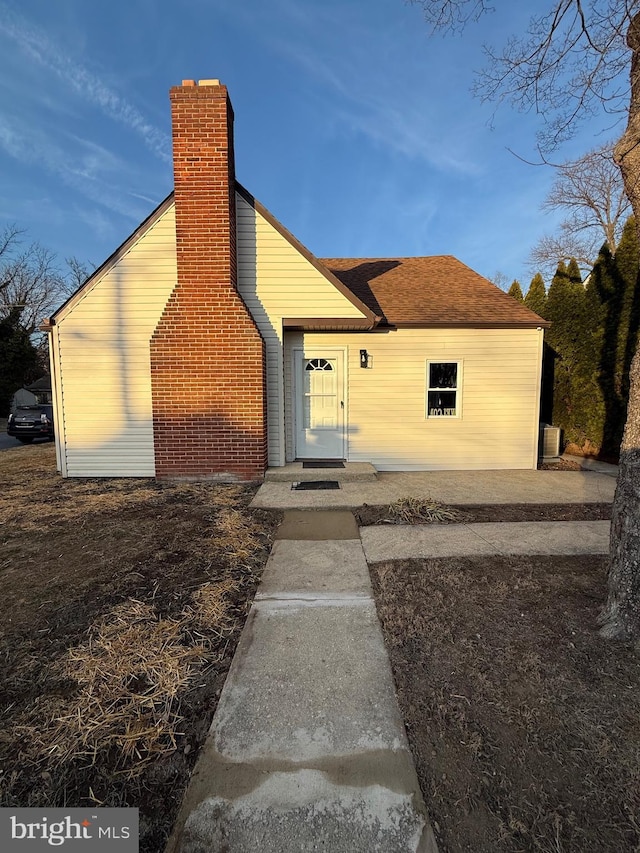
[364,358]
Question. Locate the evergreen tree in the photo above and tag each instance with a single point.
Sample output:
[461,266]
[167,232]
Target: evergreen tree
[589,408]
[18,358]
[573,271]
[627,260]
[602,293]
[593,337]
[615,280]
[558,299]
[536,298]
[558,309]
[516,291]
[574,379]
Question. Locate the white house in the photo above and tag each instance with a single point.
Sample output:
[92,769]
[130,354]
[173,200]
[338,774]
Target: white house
[212,343]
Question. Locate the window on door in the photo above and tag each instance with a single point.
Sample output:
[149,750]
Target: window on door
[443,389]
[318,364]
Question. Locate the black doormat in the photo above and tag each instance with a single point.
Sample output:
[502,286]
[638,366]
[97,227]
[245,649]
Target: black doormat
[322,463]
[315,485]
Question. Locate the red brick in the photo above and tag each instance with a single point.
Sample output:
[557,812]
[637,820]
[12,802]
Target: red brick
[207,354]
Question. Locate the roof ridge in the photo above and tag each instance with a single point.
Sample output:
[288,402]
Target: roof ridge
[389,258]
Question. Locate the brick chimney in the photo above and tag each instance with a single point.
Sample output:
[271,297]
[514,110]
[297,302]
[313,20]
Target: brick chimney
[207,355]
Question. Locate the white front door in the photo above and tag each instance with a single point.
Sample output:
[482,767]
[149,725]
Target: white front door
[320,403]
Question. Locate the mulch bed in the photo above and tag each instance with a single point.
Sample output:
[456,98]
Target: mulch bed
[522,720]
[470,513]
[122,604]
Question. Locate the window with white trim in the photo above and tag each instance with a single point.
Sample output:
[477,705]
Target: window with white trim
[443,389]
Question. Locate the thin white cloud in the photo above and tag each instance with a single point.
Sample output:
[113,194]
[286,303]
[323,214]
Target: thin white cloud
[37,208]
[97,222]
[82,81]
[96,159]
[406,133]
[384,116]
[360,96]
[143,197]
[80,170]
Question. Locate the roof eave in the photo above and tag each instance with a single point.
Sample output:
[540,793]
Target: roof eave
[327,323]
[471,324]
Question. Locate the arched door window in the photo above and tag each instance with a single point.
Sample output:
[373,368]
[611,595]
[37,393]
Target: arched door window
[318,364]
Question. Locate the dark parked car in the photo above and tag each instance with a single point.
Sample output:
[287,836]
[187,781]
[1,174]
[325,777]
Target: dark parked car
[29,422]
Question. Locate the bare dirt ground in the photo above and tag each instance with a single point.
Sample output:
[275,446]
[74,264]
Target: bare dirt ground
[122,604]
[523,722]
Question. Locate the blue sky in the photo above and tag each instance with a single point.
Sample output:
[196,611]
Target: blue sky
[354,126]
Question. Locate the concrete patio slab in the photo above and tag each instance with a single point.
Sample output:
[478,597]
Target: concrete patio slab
[506,538]
[450,487]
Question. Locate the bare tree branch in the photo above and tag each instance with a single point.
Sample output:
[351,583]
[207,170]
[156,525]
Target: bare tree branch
[453,15]
[591,193]
[573,62]
[31,281]
[568,64]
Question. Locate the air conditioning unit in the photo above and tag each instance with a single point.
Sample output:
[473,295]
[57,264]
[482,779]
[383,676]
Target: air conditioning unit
[549,446]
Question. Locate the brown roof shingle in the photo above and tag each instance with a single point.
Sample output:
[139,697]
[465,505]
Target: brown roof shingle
[433,291]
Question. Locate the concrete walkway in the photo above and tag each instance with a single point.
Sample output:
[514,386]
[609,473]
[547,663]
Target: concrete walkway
[396,542]
[450,487]
[588,464]
[307,750]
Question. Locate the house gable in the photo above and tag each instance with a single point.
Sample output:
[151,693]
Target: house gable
[285,287]
[164,212]
[99,353]
[289,281]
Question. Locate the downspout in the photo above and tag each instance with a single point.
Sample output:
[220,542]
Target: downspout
[536,422]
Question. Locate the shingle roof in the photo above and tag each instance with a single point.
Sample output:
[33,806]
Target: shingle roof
[433,291]
[42,384]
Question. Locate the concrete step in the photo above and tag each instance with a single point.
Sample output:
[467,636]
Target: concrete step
[293,472]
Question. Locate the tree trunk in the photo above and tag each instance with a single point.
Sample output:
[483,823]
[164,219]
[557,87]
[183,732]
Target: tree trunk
[621,614]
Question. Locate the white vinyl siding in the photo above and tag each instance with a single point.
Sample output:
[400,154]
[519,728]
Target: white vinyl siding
[277,282]
[387,402]
[103,363]
[100,357]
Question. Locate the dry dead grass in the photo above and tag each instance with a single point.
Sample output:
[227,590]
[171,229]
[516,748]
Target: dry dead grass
[129,675]
[122,604]
[413,510]
[210,609]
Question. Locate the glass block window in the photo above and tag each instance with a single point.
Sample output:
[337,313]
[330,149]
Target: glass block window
[443,389]
[318,364]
